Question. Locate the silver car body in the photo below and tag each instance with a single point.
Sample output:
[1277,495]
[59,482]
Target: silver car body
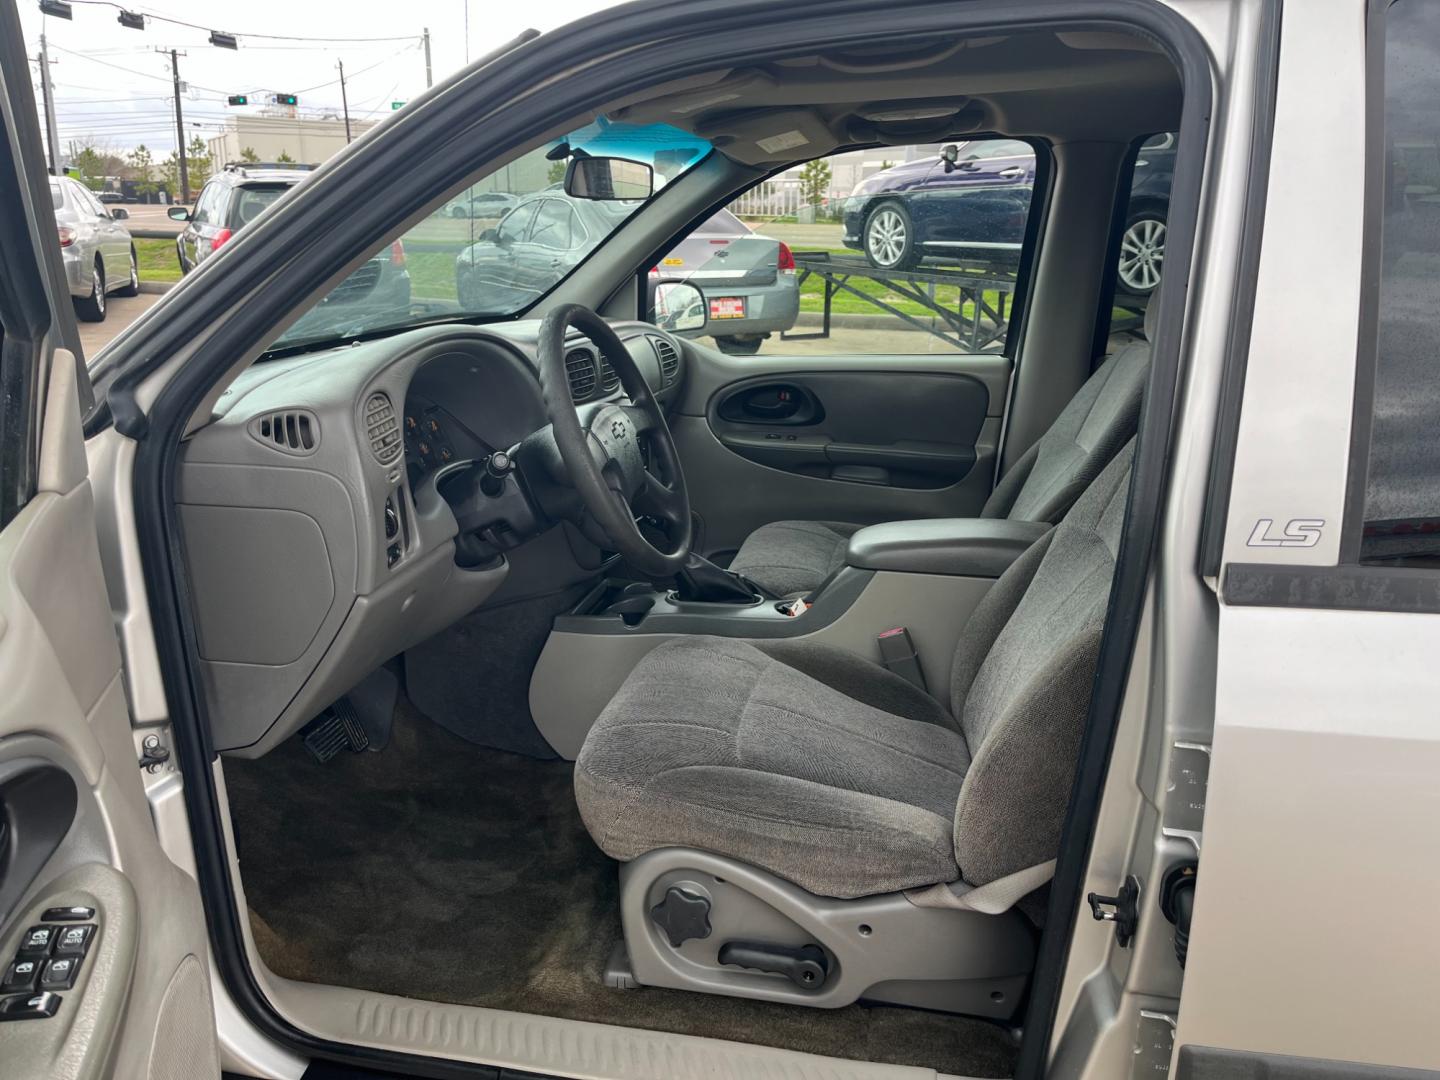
[99,238]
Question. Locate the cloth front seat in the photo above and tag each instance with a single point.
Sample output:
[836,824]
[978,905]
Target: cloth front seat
[839,776]
[792,558]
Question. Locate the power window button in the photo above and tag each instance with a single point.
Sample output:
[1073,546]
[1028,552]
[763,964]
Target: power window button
[73,940]
[37,941]
[59,974]
[20,977]
[68,914]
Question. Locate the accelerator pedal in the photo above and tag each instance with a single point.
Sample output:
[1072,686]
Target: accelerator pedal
[337,728]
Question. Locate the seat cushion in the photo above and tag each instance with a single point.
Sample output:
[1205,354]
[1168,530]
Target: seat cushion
[713,744]
[792,558]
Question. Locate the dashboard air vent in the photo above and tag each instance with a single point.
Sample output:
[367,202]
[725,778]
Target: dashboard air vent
[609,381]
[580,370]
[669,358]
[291,431]
[382,428]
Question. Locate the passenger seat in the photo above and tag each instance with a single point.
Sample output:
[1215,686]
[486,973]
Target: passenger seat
[792,558]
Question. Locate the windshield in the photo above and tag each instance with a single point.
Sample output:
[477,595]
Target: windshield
[501,244]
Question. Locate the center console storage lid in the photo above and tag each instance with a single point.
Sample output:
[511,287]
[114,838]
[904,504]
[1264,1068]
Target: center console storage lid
[965,547]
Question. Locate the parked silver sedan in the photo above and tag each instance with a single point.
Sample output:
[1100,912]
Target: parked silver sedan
[98,252]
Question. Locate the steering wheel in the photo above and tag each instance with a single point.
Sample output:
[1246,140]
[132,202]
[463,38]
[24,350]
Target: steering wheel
[602,447]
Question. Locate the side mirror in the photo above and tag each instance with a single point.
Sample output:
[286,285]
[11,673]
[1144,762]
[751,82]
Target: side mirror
[119,213]
[608,179]
[950,153]
[178,213]
[678,306]
[489,236]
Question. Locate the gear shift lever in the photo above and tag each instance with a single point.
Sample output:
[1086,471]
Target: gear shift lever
[702,581]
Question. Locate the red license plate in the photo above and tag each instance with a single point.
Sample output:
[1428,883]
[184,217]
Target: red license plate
[727,307]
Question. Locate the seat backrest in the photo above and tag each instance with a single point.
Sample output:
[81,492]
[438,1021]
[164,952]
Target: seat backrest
[1093,426]
[1022,679]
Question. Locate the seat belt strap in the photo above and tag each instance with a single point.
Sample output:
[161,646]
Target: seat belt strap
[992,898]
[897,654]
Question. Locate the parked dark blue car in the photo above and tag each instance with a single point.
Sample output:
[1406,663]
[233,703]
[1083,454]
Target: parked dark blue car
[970,204]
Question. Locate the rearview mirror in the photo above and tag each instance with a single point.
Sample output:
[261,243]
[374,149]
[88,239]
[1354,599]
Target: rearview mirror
[678,306]
[178,213]
[608,179]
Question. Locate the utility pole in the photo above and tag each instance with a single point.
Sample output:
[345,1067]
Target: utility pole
[47,91]
[429,80]
[344,100]
[179,126]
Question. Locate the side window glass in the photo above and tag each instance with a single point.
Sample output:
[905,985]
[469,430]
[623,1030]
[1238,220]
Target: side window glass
[516,224]
[203,203]
[1144,230]
[1402,478]
[552,225]
[895,250]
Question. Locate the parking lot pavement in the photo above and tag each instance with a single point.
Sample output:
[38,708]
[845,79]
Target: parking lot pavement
[123,310]
[150,216]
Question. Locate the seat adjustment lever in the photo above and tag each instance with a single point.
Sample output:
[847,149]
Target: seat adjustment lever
[806,966]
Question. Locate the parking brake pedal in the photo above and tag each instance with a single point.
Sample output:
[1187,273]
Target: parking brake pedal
[806,966]
[337,728]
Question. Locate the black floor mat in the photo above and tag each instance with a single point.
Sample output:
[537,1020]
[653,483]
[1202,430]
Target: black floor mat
[445,871]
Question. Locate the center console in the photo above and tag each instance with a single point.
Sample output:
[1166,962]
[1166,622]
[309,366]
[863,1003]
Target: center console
[926,575]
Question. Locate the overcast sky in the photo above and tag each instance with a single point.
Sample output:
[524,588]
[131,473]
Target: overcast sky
[112,88]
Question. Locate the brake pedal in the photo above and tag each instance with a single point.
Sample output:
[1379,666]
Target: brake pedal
[337,728]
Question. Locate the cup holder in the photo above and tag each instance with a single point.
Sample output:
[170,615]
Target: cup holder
[632,609]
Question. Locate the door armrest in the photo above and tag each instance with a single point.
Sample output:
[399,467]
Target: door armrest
[963,547]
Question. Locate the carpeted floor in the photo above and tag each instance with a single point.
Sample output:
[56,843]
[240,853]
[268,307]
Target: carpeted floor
[442,870]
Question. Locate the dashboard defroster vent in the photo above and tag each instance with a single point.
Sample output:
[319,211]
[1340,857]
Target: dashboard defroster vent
[291,431]
[580,370]
[382,429]
[669,358]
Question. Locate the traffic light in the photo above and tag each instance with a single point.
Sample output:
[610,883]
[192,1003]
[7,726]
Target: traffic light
[131,20]
[237,99]
[286,99]
[223,41]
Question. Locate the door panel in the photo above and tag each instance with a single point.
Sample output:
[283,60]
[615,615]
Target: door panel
[121,987]
[849,438]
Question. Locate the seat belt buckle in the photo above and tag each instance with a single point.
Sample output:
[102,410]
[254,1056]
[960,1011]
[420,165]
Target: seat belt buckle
[897,654]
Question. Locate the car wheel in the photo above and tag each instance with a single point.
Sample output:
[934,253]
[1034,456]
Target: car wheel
[890,237]
[457,212]
[92,308]
[1142,253]
[738,346]
[131,287]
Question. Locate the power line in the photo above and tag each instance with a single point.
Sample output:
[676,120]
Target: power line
[235,33]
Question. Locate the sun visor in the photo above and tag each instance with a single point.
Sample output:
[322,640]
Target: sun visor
[769,135]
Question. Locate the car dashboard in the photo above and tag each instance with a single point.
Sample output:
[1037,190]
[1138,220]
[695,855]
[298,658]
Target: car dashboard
[317,543]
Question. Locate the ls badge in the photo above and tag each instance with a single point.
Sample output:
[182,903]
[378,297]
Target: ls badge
[1297,533]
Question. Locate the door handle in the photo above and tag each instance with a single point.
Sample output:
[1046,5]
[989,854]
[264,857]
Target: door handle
[1012,172]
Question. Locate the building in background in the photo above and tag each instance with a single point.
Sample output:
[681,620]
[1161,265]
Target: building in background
[273,133]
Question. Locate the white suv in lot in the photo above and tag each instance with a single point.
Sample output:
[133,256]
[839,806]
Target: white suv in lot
[517,685]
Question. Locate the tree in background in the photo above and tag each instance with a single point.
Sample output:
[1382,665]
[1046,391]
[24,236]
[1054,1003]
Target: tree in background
[284,156]
[142,166]
[197,162]
[556,172]
[248,154]
[90,164]
[814,182]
